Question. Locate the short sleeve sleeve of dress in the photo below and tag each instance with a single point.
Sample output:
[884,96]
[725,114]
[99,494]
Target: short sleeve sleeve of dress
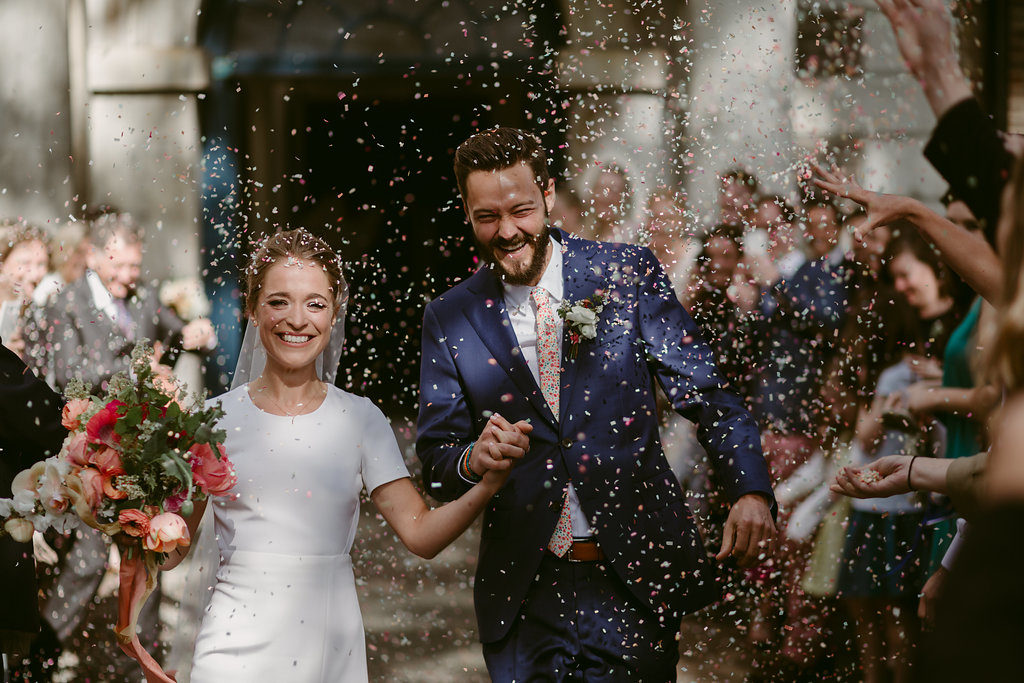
[382,460]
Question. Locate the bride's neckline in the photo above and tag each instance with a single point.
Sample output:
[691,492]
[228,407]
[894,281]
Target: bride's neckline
[323,402]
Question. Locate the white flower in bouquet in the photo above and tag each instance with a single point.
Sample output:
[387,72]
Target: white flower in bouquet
[186,297]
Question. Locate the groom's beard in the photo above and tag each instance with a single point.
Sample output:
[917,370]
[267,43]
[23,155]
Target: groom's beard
[528,273]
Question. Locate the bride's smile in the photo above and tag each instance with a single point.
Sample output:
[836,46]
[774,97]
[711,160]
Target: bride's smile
[294,313]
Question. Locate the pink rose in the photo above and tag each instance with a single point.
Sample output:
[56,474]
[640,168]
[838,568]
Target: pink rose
[134,522]
[92,486]
[107,461]
[76,449]
[100,427]
[72,413]
[167,531]
[215,476]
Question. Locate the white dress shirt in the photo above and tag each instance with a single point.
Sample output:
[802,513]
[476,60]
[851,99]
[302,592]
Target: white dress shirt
[522,313]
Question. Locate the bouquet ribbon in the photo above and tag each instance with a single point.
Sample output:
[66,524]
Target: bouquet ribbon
[137,581]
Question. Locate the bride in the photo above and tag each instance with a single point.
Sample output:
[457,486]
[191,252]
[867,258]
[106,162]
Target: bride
[284,605]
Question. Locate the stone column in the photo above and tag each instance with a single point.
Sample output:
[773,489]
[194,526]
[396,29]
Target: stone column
[144,73]
[617,78]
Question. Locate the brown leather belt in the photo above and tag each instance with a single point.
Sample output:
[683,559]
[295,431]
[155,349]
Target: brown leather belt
[584,551]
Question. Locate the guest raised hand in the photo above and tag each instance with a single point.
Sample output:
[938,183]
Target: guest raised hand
[966,252]
[925,37]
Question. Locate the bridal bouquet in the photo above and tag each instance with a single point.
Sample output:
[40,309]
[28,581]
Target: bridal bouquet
[134,463]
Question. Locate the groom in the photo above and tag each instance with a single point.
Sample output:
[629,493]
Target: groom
[588,556]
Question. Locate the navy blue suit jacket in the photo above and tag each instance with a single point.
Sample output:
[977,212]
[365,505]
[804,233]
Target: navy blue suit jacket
[801,318]
[606,442]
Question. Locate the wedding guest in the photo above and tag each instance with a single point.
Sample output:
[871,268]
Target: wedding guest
[800,318]
[737,191]
[966,252]
[880,576]
[776,220]
[607,206]
[69,253]
[666,234]
[965,146]
[24,258]
[963,402]
[978,626]
[89,332]
[723,313]
[567,213]
[815,623]
[30,430]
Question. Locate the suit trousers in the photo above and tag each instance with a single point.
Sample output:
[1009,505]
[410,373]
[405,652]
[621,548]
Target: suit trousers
[579,622]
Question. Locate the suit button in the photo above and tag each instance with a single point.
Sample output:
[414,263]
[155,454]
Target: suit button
[566,443]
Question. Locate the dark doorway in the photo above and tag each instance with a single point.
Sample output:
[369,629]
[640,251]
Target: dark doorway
[366,163]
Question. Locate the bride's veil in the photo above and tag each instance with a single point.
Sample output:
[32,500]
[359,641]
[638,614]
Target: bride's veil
[198,572]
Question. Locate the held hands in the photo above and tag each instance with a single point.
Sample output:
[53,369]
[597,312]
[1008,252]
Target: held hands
[500,445]
[749,531]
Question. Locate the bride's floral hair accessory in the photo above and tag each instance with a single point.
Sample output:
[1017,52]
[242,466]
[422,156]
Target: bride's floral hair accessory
[294,246]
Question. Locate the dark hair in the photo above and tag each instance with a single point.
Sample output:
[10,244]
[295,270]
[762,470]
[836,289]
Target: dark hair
[497,149]
[106,226]
[743,177]
[906,239]
[300,244]
[730,231]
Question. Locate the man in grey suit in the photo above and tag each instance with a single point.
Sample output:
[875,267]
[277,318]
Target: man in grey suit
[87,332]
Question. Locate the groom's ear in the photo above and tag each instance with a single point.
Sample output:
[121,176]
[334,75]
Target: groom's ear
[549,196]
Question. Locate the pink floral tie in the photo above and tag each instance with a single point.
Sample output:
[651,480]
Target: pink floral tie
[549,366]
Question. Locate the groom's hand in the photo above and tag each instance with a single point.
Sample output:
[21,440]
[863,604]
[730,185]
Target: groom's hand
[749,531]
[501,443]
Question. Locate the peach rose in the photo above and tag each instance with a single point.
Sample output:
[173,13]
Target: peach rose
[71,416]
[167,531]
[215,476]
[107,461]
[108,488]
[76,449]
[19,529]
[133,522]
[92,486]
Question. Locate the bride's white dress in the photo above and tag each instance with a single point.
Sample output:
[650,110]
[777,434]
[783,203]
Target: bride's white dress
[284,606]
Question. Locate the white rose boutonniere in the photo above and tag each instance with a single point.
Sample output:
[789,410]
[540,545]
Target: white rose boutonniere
[581,319]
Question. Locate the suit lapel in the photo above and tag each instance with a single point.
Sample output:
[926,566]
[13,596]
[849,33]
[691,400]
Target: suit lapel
[578,282]
[490,320]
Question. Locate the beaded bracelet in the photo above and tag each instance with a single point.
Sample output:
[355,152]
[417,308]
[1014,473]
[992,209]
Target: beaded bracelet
[464,468]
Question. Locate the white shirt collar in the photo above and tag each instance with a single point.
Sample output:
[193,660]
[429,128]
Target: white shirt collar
[517,296]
